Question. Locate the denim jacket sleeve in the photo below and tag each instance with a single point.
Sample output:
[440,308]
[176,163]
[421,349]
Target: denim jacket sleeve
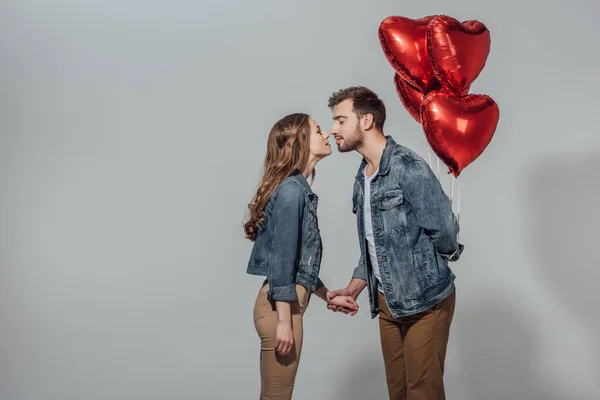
[360,271]
[433,209]
[288,206]
[320,284]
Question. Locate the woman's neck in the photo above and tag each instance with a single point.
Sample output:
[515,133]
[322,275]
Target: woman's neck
[312,162]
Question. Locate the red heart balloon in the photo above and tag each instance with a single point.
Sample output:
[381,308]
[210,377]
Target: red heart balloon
[458,128]
[410,97]
[458,51]
[404,43]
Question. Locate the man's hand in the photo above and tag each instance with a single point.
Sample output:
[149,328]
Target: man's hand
[353,289]
[338,306]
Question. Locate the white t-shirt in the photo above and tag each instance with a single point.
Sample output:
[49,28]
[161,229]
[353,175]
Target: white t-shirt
[369,229]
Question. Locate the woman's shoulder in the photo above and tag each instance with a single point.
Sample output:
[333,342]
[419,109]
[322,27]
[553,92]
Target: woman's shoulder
[289,191]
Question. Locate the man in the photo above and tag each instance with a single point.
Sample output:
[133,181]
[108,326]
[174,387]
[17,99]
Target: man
[407,234]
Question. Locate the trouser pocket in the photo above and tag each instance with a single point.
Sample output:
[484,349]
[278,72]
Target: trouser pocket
[262,305]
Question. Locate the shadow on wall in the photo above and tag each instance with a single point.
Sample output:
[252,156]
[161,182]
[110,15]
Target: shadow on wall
[496,348]
[497,342]
[563,217]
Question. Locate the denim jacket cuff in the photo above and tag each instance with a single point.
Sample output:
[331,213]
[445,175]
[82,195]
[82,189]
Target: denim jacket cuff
[320,284]
[359,272]
[456,255]
[283,293]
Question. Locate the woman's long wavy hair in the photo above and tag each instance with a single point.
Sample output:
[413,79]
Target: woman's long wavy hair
[288,149]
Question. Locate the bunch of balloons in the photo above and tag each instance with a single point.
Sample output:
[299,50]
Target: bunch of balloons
[436,59]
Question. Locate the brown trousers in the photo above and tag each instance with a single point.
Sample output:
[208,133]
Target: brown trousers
[414,350]
[277,372]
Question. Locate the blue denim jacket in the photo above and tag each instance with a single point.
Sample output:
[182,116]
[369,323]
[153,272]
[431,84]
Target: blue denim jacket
[288,247]
[415,233]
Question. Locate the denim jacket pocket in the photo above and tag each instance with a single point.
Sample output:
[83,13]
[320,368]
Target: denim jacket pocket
[391,199]
[422,266]
[428,273]
[394,215]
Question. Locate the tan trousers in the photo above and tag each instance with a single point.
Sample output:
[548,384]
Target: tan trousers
[414,350]
[278,372]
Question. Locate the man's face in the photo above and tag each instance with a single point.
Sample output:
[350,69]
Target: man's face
[346,127]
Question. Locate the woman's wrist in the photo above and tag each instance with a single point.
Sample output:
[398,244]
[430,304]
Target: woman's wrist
[323,294]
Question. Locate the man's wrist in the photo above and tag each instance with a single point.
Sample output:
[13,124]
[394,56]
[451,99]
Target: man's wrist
[356,286]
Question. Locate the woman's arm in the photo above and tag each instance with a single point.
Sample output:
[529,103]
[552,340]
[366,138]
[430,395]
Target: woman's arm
[288,206]
[286,218]
[284,334]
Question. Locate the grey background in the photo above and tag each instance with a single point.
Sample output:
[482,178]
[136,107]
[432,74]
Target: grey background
[132,134]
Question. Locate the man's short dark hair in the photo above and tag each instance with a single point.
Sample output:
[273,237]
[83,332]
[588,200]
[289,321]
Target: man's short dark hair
[364,100]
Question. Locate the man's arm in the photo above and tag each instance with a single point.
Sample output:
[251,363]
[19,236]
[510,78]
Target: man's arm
[345,302]
[432,208]
[359,276]
[360,271]
[354,288]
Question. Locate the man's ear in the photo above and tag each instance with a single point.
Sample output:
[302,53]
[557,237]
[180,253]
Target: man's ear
[367,121]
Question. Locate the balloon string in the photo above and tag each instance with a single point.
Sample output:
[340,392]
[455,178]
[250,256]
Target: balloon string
[437,174]
[457,200]
[458,207]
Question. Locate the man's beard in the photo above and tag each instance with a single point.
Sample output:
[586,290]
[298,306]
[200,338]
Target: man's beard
[353,142]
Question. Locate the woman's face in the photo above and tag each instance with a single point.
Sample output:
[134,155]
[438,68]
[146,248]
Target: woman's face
[319,141]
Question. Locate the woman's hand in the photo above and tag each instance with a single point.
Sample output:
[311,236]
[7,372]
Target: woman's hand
[284,337]
[345,302]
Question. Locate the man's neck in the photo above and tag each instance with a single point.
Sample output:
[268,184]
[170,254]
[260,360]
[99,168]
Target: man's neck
[372,150]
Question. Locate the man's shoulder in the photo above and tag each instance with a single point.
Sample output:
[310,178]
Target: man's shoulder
[409,167]
[403,157]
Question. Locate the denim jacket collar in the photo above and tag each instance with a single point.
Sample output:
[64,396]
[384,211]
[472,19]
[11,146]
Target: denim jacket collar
[384,164]
[299,178]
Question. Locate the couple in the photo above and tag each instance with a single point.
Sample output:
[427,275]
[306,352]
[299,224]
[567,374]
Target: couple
[407,234]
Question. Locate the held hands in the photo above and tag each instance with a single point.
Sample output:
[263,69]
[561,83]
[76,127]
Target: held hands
[342,300]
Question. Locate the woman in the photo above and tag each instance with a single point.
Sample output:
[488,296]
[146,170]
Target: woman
[287,249]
